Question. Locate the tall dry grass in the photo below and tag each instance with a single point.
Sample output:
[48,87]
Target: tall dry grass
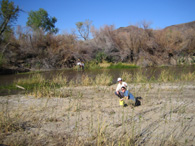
[86,80]
[103,79]
[31,80]
[127,77]
[103,121]
[37,85]
[164,76]
[187,77]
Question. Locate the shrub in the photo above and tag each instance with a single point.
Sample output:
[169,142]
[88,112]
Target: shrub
[92,65]
[100,56]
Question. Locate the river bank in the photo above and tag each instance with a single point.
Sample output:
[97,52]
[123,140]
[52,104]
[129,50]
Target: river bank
[87,77]
[91,115]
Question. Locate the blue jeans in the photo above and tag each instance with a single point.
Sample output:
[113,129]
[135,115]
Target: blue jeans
[120,95]
[131,97]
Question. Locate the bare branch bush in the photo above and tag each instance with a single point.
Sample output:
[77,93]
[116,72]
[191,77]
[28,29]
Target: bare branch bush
[133,40]
[169,39]
[48,47]
[107,40]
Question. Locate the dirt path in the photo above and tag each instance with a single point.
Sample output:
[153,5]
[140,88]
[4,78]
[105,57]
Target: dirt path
[93,116]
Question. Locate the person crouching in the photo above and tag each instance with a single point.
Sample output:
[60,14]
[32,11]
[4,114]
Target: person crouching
[128,96]
[118,91]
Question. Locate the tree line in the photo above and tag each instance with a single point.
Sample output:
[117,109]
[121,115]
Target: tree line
[40,46]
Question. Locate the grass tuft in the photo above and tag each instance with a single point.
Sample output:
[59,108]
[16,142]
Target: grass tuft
[122,65]
[103,79]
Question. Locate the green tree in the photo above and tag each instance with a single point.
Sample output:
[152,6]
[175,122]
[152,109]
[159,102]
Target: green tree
[8,15]
[84,29]
[41,20]
[100,56]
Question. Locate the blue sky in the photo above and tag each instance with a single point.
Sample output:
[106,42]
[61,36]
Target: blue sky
[121,13]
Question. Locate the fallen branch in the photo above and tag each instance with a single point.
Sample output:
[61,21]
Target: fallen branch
[20,87]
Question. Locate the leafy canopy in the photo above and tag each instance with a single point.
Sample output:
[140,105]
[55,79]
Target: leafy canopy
[8,15]
[41,20]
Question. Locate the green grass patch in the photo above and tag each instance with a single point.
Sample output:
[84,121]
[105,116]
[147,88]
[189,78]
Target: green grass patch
[92,65]
[30,72]
[7,87]
[104,64]
[37,85]
[121,65]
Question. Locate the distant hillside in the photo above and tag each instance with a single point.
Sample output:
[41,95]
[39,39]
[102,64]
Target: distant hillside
[183,26]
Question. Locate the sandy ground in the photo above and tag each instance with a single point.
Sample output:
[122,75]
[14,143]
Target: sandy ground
[93,116]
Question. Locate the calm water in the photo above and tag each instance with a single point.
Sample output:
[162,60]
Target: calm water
[115,73]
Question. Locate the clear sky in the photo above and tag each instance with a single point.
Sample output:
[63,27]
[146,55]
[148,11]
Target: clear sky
[121,13]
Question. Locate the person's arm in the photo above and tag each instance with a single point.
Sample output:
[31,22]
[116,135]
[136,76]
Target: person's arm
[117,88]
[126,94]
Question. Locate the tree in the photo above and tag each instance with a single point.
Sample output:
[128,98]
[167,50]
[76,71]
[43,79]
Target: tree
[8,15]
[41,20]
[84,29]
[146,26]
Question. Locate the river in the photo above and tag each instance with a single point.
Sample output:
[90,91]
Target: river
[115,73]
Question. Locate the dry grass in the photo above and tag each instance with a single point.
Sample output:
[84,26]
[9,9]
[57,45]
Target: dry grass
[84,114]
[33,79]
[103,79]
[38,86]
[104,64]
[91,115]
[188,77]
[165,76]
[127,77]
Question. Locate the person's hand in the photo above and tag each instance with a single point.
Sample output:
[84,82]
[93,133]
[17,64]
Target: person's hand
[117,92]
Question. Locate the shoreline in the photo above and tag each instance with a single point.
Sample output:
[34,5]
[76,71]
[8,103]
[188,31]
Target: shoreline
[111,66]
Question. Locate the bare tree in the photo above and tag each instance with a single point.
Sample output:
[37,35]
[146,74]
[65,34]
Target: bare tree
[133,41]
[84,29]
[146,26]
